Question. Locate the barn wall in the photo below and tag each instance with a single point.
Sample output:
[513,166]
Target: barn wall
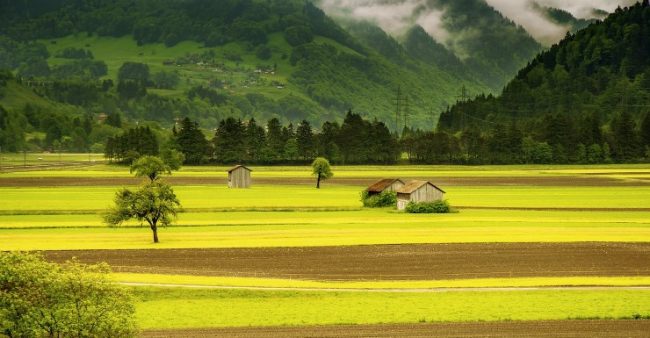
[427,193]
[396,185]
[402,203]
[239,178]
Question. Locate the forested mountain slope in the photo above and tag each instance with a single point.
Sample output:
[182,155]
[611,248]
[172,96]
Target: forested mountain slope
[592,88]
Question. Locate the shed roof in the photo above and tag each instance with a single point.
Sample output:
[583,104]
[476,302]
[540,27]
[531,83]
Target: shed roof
[380,185]
[239,166]
[415,185]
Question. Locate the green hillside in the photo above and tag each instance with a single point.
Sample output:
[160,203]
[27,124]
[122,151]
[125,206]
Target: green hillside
[260,59]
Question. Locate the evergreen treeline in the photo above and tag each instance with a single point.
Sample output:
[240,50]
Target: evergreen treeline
[557,139]
[132,144]
[589,94]
[354,141]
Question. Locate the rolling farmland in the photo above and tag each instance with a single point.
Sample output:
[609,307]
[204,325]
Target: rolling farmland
[527,244]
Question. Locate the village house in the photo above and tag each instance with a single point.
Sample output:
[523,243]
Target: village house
[239,177]
[418,191]
[386,184]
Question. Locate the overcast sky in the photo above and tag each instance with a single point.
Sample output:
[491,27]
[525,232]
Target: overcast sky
[396,16]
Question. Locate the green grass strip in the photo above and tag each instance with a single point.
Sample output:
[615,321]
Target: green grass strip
[190,308]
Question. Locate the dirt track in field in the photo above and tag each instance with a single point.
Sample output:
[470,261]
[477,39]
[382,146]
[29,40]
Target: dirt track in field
[573,181]
[531,329]
[384,262]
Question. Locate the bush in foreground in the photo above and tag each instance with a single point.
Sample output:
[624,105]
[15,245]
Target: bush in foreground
[383,199]
[437,207]
[42,299]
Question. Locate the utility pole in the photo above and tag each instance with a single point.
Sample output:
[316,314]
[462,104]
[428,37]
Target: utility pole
[24,157]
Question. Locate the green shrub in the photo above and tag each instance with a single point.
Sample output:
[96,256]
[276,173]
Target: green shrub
[437,207]
[43,299]
[384,199]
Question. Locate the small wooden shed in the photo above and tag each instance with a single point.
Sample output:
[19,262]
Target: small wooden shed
[239,177]
[386,184]
[418,191]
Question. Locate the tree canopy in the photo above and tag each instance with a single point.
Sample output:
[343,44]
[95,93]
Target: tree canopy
[151,167]
[322,170]
[42,299]
[154,202]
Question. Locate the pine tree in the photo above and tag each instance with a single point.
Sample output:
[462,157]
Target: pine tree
[192,142]
[327,141]
[274,138]
[229,141]
[255,141]
[645,130]
[626,144]
[305,139]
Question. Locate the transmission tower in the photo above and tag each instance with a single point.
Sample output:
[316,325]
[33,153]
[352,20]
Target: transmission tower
[406,112]
[398,106]
[463,97]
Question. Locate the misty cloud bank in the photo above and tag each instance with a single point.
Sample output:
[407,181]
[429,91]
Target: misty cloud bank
[397,16]
[527,14]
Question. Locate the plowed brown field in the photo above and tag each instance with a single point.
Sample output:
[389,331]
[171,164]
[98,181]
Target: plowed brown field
[533,329]
[385,262]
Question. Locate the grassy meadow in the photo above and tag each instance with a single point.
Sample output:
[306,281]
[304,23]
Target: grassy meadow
[285,210]
[183,308]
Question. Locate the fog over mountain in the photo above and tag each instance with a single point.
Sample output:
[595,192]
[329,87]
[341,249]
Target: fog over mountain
[397,16]
[528,15]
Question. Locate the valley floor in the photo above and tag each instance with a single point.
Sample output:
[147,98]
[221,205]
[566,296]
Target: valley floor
[535,251]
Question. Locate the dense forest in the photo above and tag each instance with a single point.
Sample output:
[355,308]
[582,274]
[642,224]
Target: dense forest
[354,141]
[590,92]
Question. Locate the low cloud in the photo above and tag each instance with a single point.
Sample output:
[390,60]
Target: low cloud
[524,13]
[584,9]
[397,16]
[527,16]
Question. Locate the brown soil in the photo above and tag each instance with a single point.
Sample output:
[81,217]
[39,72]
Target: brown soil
[573,181]
[531,329]
[385,262]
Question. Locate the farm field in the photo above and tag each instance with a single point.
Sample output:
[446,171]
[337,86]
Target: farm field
[507,329]
[528,244]
[385,262]
[183,308]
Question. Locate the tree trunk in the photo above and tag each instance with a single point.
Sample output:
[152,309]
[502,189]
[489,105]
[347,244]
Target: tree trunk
[154,228]
[318,182]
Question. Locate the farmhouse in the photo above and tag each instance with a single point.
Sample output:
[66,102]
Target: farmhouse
[239,177]
[386,184]
[418,191]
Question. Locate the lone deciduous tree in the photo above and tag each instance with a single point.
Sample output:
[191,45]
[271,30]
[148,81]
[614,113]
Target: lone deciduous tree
[321,169]
[155,202]
[151,167]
